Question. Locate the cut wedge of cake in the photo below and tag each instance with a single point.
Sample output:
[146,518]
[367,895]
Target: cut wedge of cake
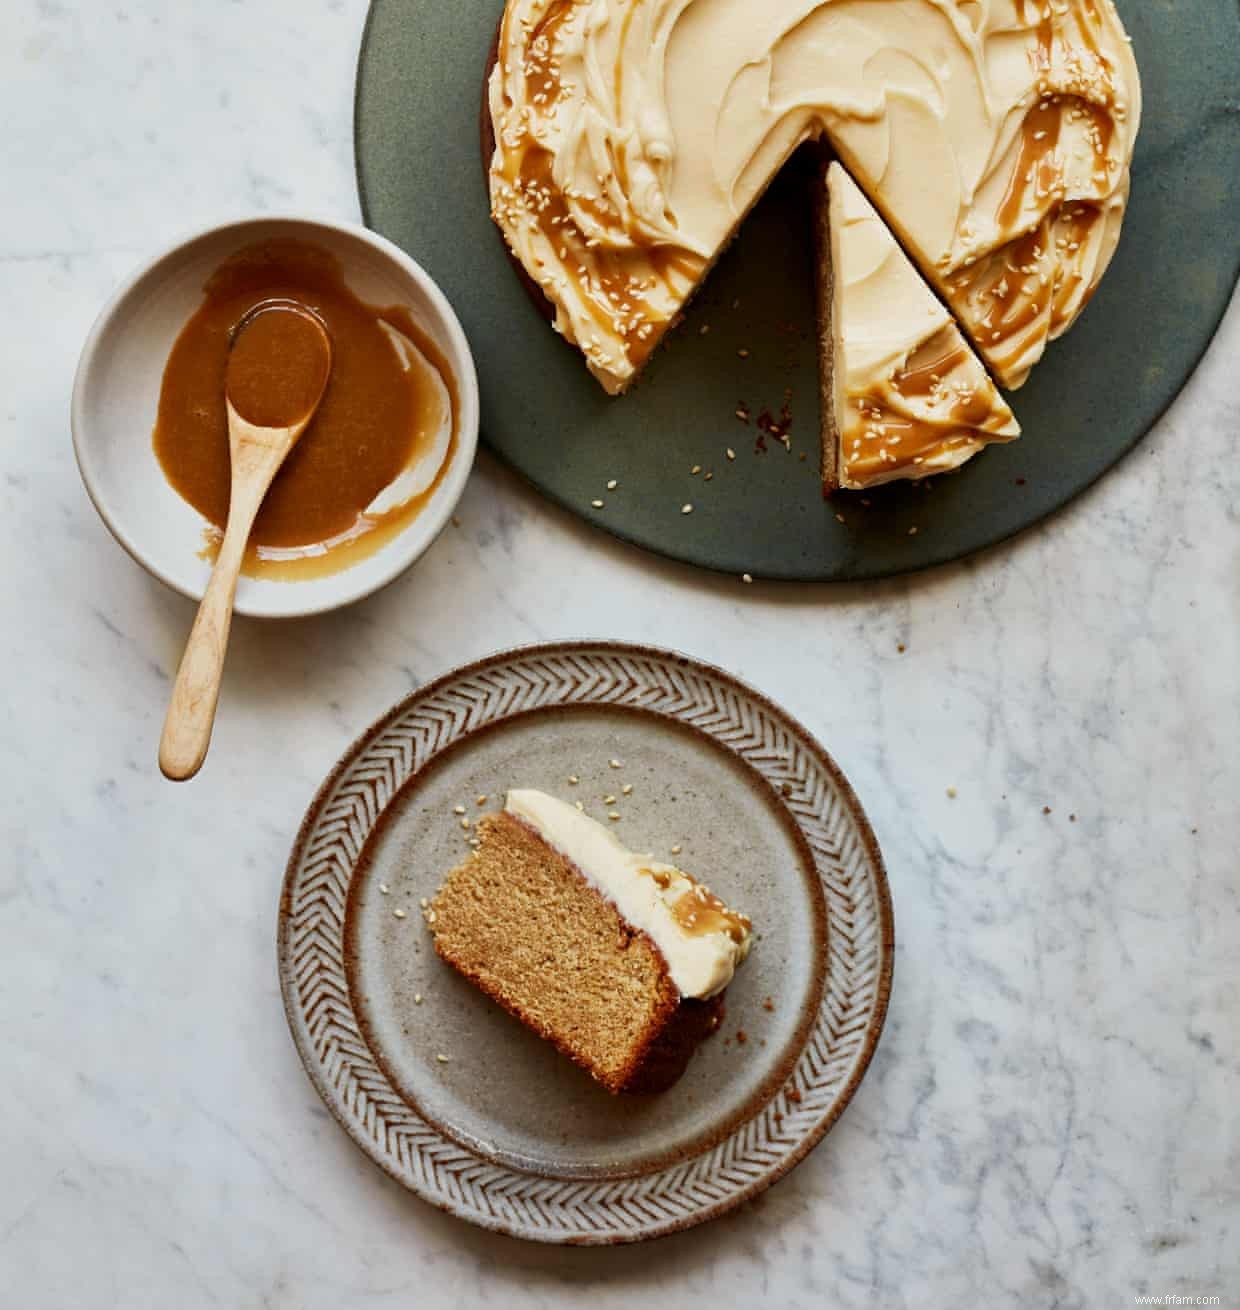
[904,395]
[617,959]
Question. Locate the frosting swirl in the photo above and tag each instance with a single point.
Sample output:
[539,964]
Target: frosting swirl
[632,137]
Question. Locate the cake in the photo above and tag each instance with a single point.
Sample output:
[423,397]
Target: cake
[903,393]
[631,138]
[617,959]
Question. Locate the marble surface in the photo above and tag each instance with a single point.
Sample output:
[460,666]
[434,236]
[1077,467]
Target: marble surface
[1050,1119]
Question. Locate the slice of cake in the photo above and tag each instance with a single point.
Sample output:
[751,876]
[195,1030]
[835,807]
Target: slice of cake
[619,960]
[904,396]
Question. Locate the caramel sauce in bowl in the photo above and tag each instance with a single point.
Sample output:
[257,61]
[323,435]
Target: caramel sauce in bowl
[374,478]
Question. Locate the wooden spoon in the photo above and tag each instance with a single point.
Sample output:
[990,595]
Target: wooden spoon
[278,366]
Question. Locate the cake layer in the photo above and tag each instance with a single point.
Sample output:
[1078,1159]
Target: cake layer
[909,396]
[632,136]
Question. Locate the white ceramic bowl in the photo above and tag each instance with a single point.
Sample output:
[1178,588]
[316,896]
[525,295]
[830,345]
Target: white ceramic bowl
[116,395]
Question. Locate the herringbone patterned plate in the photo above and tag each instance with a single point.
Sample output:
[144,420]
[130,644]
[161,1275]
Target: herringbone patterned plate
[456,1100]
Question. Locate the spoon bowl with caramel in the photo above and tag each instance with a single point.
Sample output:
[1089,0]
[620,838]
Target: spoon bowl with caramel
[374,477]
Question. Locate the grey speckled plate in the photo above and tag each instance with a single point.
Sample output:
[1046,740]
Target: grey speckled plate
[504,1131]
[1093,397]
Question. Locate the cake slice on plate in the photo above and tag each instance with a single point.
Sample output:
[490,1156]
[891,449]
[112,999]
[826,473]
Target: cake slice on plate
[904,395]
[617,959]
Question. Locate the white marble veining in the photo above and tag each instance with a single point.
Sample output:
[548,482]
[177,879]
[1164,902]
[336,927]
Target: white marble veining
[1051,1117]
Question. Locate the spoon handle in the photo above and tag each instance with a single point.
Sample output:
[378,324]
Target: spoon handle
[191,711]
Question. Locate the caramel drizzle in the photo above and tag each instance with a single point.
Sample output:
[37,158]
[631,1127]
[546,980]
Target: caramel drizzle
[1016,306]
[1088,22]
[1035,284]
[698,911]
[613,280]
[1074,226]
[896,436]
[540,65]
[923,380]
[1037,170]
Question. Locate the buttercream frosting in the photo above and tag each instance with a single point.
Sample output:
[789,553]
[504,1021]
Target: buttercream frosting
[632,136]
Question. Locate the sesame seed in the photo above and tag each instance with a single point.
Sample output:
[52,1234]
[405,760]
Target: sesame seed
[612,484]
[731,454]
[417,998]
[458,809]
[686,509]
[581,809]
[627,789]
[598,504]
[442,1058]
[912,532]
[465,824]
[951,793]
[708,477]
[677,849]
[696,469]
[614,764]
[704,329]
[424,902]
[746,577]
[744,354]
[573,779]
[384,889]
[399,914]
[480,800]
[609,800]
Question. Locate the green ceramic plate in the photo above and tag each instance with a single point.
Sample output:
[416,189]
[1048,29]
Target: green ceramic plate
[1093,397]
